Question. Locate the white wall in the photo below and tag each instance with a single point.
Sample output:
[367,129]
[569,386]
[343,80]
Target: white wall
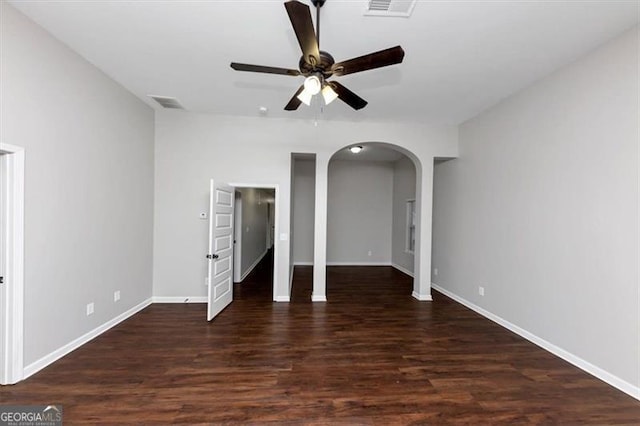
[404,189]
[191,148]
[359,215]
[541,209]
[89,185]
[303,210]
[254,228]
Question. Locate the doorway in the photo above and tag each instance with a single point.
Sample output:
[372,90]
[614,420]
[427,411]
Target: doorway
[368,192]
[11,262]
[255,253]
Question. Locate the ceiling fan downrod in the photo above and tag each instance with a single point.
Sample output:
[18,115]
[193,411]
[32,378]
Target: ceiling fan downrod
[318,4]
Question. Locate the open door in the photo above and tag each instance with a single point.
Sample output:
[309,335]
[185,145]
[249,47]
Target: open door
[220,255]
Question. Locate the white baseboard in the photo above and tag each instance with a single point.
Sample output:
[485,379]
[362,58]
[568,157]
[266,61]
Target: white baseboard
[358,263]
[315,298]
[46,360]
[253,265]
[422,297]
[281,299]
[598,372]
[303,263]
[179,299]
[402,269]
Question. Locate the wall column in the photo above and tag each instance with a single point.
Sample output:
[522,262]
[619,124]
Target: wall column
[424,198]
[319,293]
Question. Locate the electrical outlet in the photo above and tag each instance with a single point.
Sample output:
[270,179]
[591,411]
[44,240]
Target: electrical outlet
[369,253]
[89,308]
[481,291]
[116,295]
[435,271]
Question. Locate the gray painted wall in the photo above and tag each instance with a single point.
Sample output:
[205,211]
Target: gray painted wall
[192,148]
[404,188]
[292,237]
[362,181]
[359,213]
[89,185]
[541,209]
[303,210]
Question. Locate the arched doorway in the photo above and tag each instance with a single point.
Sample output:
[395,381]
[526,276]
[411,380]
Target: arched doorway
[421,290]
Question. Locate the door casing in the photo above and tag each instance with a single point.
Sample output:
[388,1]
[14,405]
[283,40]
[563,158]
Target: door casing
[12,358]
[275,210]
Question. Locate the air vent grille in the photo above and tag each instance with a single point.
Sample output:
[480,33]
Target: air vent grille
[167,102]
[379,5]
[401,8]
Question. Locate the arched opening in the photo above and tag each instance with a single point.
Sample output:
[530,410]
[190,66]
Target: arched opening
[372,233]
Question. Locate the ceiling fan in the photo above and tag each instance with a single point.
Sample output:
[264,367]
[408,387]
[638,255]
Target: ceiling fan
[318,66]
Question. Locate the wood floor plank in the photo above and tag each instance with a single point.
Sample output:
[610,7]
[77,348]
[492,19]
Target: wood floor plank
[372,355]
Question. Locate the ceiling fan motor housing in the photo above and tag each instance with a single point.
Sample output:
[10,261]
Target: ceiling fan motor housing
[323,66]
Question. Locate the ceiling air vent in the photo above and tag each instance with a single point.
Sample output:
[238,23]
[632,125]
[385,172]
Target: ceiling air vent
[167,102]
[401,8]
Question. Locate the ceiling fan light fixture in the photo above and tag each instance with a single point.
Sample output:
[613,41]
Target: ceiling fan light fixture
[305,97]
[355,149]
[329,94]
[312,84]
[316,65]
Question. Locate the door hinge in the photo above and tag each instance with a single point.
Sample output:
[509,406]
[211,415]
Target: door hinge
[1,280]
[212,256]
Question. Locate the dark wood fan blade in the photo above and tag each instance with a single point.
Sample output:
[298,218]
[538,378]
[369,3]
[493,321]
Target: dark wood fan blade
[300,17]
[383,58]
[294,103]
[260,68]
[347,96]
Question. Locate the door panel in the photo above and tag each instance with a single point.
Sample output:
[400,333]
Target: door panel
[223,288]
[222,266]
[223,221]
[220,255]
[223,242]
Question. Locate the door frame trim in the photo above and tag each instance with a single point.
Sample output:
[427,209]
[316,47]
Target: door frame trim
[237,237]
[276,232]
[13,357]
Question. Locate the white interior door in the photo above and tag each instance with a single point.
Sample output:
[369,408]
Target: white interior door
[220,255]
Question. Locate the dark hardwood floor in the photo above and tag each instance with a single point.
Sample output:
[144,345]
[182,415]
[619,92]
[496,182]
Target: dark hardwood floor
[371,355]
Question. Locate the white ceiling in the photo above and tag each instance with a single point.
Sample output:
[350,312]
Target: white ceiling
[461,56]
